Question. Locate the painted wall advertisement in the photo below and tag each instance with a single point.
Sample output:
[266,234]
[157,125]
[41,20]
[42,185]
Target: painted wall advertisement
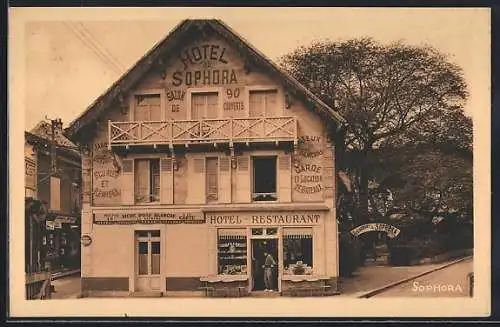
[106,170]
[308,170]
[148,217]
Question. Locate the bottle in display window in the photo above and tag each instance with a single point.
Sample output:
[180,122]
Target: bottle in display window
[232,254]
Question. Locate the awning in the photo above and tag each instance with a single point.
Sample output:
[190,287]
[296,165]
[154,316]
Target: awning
[293,233]
[232,233]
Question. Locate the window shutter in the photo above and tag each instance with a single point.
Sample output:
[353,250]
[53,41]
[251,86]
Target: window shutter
[212,179]
[142,180]
[127,181]
[196,180]
[224,180]
[284,178]
[243,180]
[166,181]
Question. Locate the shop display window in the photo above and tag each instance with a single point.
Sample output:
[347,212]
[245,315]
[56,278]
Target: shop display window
[232,251]
[297,251]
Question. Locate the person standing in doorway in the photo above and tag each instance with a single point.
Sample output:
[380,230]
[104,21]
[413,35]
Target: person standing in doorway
[269,264]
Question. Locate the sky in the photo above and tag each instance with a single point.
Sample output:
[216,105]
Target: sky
[63,76]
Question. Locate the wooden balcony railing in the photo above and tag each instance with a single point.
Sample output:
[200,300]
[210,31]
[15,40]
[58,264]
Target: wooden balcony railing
[225,130]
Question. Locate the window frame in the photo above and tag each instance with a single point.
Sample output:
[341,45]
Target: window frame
[284,239]
[146,157]
[252,178]
[244,232]
[189,96]
[216,158]
[132,102]
[149,239]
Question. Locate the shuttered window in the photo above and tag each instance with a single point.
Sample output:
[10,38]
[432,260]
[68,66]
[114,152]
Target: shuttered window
[263,103]
[204,105]
[147,180]
[148,107]
[212,178]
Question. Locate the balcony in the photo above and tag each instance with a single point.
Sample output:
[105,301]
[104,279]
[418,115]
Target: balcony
[185,132]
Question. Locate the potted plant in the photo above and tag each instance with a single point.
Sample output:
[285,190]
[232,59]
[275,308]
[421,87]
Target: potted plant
[299,268]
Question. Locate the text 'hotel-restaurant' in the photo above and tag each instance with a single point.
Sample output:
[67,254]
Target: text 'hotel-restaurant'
[200,159]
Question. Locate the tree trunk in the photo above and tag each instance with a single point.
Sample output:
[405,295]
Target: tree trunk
[363,196]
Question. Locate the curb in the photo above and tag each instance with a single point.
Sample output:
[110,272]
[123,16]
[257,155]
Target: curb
[64,274]
[376,291]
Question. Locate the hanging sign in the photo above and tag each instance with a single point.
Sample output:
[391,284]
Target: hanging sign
[376,227]
[49,225]
[65,219]
[86,240]
[148,217]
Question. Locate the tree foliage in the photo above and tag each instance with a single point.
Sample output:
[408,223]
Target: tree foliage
[398,99]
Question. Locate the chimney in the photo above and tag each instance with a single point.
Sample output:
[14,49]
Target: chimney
[58,127]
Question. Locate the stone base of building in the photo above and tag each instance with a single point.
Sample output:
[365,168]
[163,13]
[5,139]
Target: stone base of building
[310,287]
[118,287]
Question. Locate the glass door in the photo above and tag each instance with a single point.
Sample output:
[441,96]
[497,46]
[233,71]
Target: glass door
[265,260]
[148,262]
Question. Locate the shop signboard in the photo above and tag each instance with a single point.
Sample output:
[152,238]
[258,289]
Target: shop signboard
[65,219]
[148,217]
[376,227]
[30,174]
[49,225]
[265,219]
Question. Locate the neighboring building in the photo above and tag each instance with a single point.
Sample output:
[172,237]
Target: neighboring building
[56,183]
[202,157]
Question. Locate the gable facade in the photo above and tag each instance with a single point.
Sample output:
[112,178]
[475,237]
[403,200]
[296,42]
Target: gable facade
[207,155]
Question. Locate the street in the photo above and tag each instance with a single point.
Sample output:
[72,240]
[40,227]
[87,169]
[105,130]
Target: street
[448,282]
[67,287]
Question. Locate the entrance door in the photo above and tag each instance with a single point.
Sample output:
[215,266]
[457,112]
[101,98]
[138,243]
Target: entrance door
[259,248]
[148,255]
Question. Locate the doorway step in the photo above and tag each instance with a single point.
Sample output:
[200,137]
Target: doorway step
[147,294]
[265,294]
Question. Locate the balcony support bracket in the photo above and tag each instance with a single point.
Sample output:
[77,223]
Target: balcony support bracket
[233,158]
[172,153]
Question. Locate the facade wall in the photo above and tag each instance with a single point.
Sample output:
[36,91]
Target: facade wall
[186,251]
[189,251]
[111,258]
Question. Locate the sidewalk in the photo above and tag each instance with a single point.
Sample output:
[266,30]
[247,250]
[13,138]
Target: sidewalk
[368,278]
[64,272]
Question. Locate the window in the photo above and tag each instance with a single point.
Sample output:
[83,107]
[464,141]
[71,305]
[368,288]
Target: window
[297,251]
[264,231]
[148,252]
[147,107]
[263,103]
[212,178]
[264,179]
[204,105]
[147,180]
[232,251]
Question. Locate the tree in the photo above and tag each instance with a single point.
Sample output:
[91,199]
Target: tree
[385,92]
